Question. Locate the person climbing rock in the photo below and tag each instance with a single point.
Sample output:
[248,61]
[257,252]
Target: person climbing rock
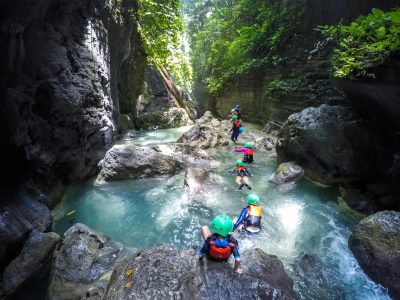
[249,221]
[220,245]
[235,128]
[248,153]
[242,173]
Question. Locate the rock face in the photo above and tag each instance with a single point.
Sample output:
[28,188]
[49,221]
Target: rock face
[21,216]
[264,144]
[361,202]
[35,254]
[129,162]
[70,67]
[288,172]
[172,118]
[203,137]
[83,264]
[164,272]
[375,242]
[194,179]
[333,145]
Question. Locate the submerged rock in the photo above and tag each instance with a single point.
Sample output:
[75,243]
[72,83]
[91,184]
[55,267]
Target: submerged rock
[35,254]
[194,179]
[174,117]
[129,162]
[375,242]
[83,264]
[333,145]
[164,272]
[203,137]
[288,172]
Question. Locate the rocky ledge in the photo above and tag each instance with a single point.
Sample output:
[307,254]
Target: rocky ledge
[375,242]
[174,117]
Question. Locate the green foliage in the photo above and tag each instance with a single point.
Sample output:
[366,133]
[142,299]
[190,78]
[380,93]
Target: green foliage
[365,43]
[233,37]
[161,29]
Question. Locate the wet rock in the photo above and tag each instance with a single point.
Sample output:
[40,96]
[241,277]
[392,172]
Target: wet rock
[355,199]
[174,117]
[20,216]
[84,263]
[165,272]
[203,137]
[333,145]
[375,242]
[264,144]
[127,161]
[287,172]
[194,179]
[35,254]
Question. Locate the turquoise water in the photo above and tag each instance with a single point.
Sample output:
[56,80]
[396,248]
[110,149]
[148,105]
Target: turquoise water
[305,218]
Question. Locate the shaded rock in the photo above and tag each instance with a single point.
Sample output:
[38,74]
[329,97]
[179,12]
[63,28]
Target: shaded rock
[83,264]
[35,254]
[126,162]
[333,145]
[359,201]
[174,117]
[20,216]
[125,122]
[287,172]
[204,137]
[375,242]
[194,179]
[264,144]
[164,272]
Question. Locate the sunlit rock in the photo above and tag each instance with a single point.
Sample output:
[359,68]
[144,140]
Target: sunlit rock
[204,137]
[164,272]
[130,162]
[174,117]
[287,172]
[375,242]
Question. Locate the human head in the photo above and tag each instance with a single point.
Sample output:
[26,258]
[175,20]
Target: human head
[249,145]
[237,106]
[222,225]
[239,163]
[253,199]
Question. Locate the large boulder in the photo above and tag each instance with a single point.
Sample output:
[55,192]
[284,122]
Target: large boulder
[203,137]
[375,242]
[84,263]
[174,117]
[195,179]
[35,255]
[333,145]
[264,143]
[130,162]
[164,272]
[288,172]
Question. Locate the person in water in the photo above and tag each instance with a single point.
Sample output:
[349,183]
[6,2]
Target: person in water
[238,111]
[235,128]
[220,245]
[248,152]
[242,174]
[250,218]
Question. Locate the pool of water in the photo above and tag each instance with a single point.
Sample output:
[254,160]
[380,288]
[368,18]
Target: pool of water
[305,218]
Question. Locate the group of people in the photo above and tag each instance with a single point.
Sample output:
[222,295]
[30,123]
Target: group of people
[219,244]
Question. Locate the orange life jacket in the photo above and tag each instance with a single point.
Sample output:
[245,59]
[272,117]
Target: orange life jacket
[250,151]
[254,216]
[240,168]
[220,253]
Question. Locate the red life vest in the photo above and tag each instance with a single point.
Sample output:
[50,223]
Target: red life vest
[220,253]
[237,124]
[250,151]
[240,168]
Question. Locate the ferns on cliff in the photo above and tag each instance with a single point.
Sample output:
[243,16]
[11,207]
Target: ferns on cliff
[365,43]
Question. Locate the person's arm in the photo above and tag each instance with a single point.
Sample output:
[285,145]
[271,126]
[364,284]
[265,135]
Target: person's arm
[240,150]
[236,255]
[241,218]
[203,251]
[247,171]
[233,171]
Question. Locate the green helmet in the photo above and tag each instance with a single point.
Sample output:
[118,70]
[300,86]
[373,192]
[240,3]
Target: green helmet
[253,199]
[234,117]
[239,163]
[249,145]
[222,225]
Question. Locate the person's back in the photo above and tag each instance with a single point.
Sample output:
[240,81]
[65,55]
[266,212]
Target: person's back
[250,217]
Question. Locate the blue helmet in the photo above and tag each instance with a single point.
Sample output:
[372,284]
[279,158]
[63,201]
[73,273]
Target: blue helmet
[237,106]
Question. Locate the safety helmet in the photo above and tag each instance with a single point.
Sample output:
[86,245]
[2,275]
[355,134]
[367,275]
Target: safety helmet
[239,163]
[249,145]
[237,106]
[253,199]
[232,110]
[222,225]
[234,117]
